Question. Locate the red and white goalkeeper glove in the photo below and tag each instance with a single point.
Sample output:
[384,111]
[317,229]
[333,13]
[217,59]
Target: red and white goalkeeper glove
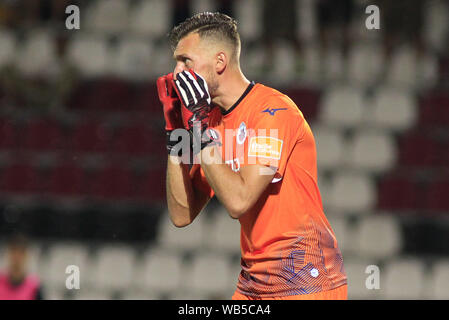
[171,106]
[195,109]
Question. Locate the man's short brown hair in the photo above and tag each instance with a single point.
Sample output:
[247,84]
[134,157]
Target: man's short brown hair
[215,25]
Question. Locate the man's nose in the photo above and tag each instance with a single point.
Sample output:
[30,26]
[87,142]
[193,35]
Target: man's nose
[179,68]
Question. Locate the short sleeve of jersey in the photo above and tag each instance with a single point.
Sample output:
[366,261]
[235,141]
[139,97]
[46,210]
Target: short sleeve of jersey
[199,180]
[273,132]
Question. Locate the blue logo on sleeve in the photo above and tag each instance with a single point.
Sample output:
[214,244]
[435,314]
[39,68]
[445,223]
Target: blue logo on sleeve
[273,111]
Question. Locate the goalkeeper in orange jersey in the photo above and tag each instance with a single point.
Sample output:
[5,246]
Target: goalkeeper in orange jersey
[256,153]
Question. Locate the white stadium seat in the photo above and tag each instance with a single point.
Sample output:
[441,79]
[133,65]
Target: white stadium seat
[208,273]
[90,54]
[189,237]
[203,6]
[284,59]
[37,55]
[93,295]
[364,62]
[357,272]
[151,18]
[393,109]
[160,271]
[8,45]
[59,257]
[403,279]
[109,16]
[378,237]
[249,15]
[329,147]
[161,60]
[114,268]
[436,25]
[139,295]
[439,282]
[403,71]
[351,192]
[225,233]
[232,279]
[342,106]
[133,59]
[324,186]
[370,150]
[343,232]
[187,294]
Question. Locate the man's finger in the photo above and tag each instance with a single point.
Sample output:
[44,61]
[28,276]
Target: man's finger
[187,86]
[162,87]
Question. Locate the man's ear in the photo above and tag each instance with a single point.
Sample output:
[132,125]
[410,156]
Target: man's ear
[221,62]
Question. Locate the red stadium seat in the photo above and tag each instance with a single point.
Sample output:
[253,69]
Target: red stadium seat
[8,136]
[112,182]
[436,198]
[90,136]
[43,134]
[19,178]
[151,185]
[135,140]
[307,101]
[111,94]
[146,98]
[419,149]
[67,179]
[102,94]
[396,192]
[435,109]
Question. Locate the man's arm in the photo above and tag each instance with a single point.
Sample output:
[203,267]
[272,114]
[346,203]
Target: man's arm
[184,201]
[237,191]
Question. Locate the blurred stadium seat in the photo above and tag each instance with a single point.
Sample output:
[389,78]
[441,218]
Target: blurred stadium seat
[356,271]
[90,54]
[378,237]
[437,285]
[58,258]
[248,13]
[8,44]
[403,279]
[330,147]
[37,54]
[113,268]
[150,18]
[108,16]
[371,151]
[132,59]
[351,192]
[159,271]
[343,233]
[186,238]
[393,109]
[342,106]
[202,276]
[225,233]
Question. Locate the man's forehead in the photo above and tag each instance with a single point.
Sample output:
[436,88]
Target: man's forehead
[187,44]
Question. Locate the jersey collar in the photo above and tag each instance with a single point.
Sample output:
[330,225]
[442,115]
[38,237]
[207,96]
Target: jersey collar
[248,89]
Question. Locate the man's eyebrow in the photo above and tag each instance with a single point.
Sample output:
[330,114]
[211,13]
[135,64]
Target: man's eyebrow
[180,57]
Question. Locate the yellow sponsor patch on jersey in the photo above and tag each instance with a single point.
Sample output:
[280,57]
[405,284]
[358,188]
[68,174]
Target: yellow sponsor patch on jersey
[265,147]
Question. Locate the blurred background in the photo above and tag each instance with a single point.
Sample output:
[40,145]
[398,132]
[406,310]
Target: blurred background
[82,145]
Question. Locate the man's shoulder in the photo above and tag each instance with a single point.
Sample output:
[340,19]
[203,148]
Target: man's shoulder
[271,100]
[273,104]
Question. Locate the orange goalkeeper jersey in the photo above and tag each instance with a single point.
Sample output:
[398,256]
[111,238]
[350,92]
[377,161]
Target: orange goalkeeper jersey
[287,245]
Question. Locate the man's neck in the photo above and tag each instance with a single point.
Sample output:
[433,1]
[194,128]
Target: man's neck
[231,90]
